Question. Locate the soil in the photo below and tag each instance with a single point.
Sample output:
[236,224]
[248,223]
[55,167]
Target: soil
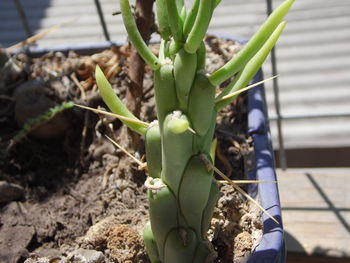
[82,199]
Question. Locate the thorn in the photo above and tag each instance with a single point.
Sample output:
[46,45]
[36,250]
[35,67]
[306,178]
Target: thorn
[244,89]
[208,165]
[235,186]
[113,115]
[73,76]
[38,36]
[106,173]
[245,182]
[141,164]
[191,130]
[116,13]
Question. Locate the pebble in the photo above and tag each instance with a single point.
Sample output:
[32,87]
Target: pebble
[78,256]
[10,192]
[88,256]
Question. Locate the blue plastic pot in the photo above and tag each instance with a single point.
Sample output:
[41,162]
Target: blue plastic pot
[271,248]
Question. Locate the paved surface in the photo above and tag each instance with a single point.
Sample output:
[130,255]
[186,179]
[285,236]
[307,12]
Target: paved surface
[316,210]
[313,54]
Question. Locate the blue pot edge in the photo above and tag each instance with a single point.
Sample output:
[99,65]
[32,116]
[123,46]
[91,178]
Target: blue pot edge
[271,248]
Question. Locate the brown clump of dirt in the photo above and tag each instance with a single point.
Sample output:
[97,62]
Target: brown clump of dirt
[236,227]
[125,244]
[243,244]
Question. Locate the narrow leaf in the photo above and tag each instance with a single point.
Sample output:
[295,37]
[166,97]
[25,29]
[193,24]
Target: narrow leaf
[115,104]
[174,20]
[120,117]
[162,16]
[216,3]
[234,94]
[135,36]
[248,72]
[199,29]
[254,44]
[191,17]
[180,4]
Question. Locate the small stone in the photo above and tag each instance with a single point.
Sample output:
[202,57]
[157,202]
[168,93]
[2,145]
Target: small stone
[37,259]
[14,240]
[10,192]
[89,256]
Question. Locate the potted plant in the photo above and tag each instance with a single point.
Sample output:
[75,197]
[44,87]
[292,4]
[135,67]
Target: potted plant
[180,148]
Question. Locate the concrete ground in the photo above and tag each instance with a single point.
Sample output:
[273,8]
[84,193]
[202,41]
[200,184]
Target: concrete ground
[316,210]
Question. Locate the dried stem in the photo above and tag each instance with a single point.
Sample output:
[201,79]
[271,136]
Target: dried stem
[134,94]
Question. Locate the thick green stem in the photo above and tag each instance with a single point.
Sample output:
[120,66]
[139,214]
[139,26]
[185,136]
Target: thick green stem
[154,151]
[185,66]
[180,150]
[150,244]
[201,56]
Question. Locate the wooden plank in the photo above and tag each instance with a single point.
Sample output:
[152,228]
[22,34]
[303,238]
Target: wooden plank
[302,258]
[316,210]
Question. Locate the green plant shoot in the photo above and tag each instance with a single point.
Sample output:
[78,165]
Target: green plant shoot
[182,191]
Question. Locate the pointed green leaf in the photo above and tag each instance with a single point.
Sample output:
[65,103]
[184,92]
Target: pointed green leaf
[174,20]
[191,17]
[254,44]
[200,26]
[115,104]
[135,36]
[252,67]
[162,16]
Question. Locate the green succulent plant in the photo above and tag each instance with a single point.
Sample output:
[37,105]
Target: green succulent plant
[182,191]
